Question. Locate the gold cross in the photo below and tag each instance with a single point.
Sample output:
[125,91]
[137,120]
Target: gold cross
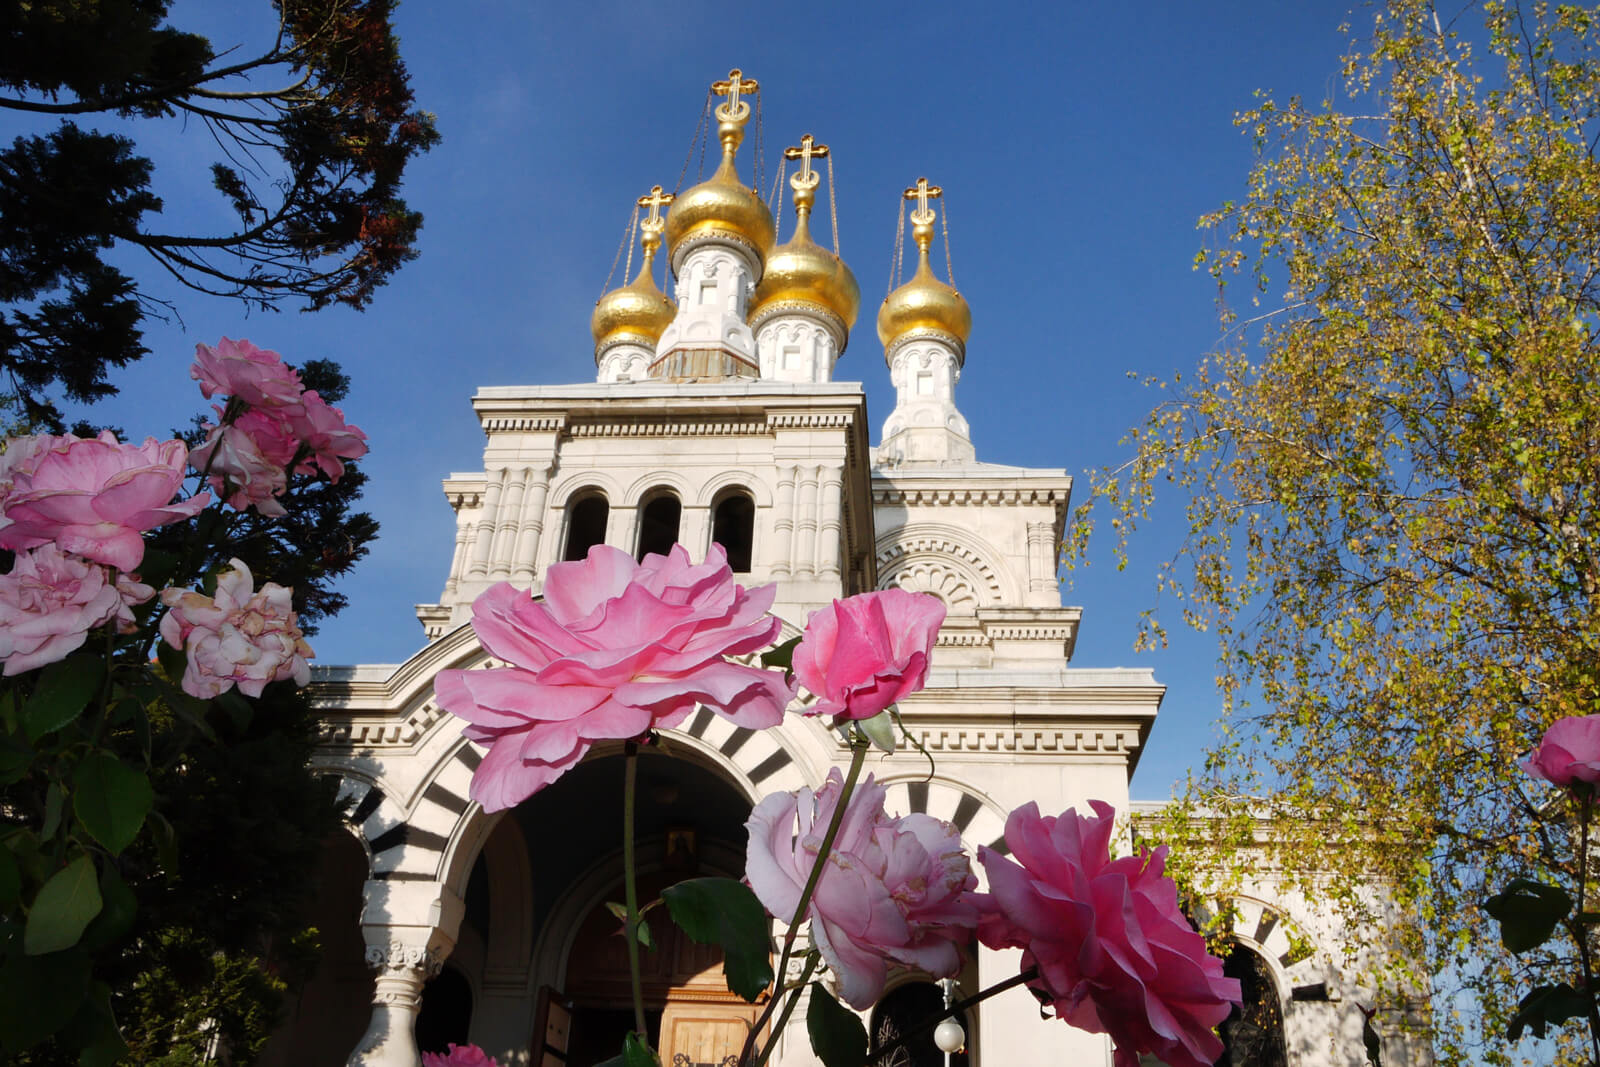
[655,200]
[922,192]
[737,83]
[807,151]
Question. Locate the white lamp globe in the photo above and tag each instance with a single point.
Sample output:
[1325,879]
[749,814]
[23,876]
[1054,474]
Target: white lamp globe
[949,1036]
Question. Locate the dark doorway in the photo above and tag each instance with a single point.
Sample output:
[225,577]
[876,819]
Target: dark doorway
[1252,1035]
[586,526]
[905,1009]
[733,527]
[658,525]
[446,1013]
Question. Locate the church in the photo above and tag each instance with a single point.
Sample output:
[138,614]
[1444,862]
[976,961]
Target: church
[716,417]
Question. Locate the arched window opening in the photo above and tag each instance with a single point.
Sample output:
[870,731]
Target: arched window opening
[733,526]
[1252,1035]
[586,525]
[658,525]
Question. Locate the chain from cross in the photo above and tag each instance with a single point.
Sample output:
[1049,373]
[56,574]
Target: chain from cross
[734,109]
[655,200]
[808,150]
[922,192]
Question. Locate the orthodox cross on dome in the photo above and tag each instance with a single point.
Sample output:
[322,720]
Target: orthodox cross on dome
[737,83]
[655,200]
[808,150]
[922,192]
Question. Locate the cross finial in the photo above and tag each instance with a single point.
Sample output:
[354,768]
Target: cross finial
[736,83]
[922,192]
[655,200]
[807,151]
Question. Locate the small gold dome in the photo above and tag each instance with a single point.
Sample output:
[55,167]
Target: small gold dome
[801,271]
[638,309]
[723,206]
[924,302]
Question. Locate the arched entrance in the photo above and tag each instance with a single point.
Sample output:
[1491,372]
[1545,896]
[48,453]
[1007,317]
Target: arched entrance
[689,822]
[1252,1035]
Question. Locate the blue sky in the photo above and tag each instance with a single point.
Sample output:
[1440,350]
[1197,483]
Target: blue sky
[1077,144]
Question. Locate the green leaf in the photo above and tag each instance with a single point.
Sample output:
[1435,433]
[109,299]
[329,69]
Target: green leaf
[1546,1006]
[722,911]
[837,1036]
[781,655]
[166,839]
[636,1052]
[54,801]
[880,730]
[64,690]
[96,1029]
[1528,912]
[63,908]
[621,912]
[10,878]
[118,907]
[39,995]
[111,800]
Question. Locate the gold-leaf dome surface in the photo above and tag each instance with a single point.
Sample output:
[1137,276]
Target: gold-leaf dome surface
[801,271]
[638,309]
[721,206]
[924,303]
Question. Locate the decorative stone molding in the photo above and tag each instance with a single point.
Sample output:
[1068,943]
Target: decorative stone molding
[523,423]
[402,957]
[668,428]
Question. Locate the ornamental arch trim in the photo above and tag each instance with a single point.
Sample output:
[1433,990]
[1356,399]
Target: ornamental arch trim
[575,485]
[653,484]
[1293,956]
[928,553]
[733,480]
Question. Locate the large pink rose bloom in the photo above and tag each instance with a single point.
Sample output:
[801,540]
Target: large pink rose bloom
[1114,952]
[240,637]
[1568,753]
[862,654]
[248,459]
[459,1056]
[892,889]
[615,648]
[49,603]
[241,370]
[95,497]
[327,437]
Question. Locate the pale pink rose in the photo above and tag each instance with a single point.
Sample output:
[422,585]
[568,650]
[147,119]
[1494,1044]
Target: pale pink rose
[614,649]
[19,456]
[239,637]
[253,375]
[892,889]
[49,603]
[459,1056]
[1569,752]
[321,427]
[246,456]
[1114,952]
[862,654]
[95,497]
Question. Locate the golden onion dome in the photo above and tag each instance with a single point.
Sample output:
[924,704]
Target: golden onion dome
[639,309]
[723,206]
[924,302]
[799,271]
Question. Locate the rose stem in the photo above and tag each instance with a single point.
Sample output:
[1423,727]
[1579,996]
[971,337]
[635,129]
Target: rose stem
[630,931]
[953,1010]
[858,756]
[789,1006]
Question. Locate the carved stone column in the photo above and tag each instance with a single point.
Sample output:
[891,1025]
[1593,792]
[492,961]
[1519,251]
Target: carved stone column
[402,971]
[409,928]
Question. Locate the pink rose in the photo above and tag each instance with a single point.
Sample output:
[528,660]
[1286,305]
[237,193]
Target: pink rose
[892,889]
[328,437]
[459,1056]
[248,456]
[239,637]
[1114,952]
[49,603]
[1568,753]
[862,654]
[253,375]
[615,648]
[95,497]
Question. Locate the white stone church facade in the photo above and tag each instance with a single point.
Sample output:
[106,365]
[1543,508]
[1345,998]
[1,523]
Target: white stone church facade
[716,417]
